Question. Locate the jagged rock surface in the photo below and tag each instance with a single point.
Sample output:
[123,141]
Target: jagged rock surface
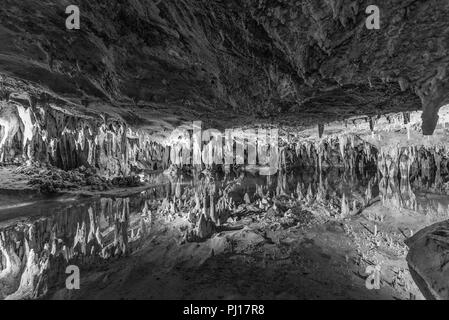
[42,131]
[428,260]
[221,60]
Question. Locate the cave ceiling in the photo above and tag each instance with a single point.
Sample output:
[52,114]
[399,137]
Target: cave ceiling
[229,62]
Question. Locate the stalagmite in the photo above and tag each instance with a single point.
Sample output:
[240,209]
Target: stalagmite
[213,212]
[247,199]
[205,228]
[205,212]
[344,206]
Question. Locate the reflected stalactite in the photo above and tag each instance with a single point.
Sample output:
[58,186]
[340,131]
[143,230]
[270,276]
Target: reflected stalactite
[34,252]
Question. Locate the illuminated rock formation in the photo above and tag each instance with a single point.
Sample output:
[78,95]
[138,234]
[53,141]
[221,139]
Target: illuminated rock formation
[45,133]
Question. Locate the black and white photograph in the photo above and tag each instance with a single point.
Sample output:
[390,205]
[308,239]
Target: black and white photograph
[215,152]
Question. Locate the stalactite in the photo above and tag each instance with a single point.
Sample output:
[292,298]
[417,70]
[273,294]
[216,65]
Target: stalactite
[346,151]
[320,130]
[46,134]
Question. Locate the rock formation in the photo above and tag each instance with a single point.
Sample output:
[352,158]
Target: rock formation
[222,60]
[107,104]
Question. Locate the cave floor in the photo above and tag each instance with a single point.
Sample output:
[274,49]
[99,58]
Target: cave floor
[12,181]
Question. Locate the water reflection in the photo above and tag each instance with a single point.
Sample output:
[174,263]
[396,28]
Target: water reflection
[35,250]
